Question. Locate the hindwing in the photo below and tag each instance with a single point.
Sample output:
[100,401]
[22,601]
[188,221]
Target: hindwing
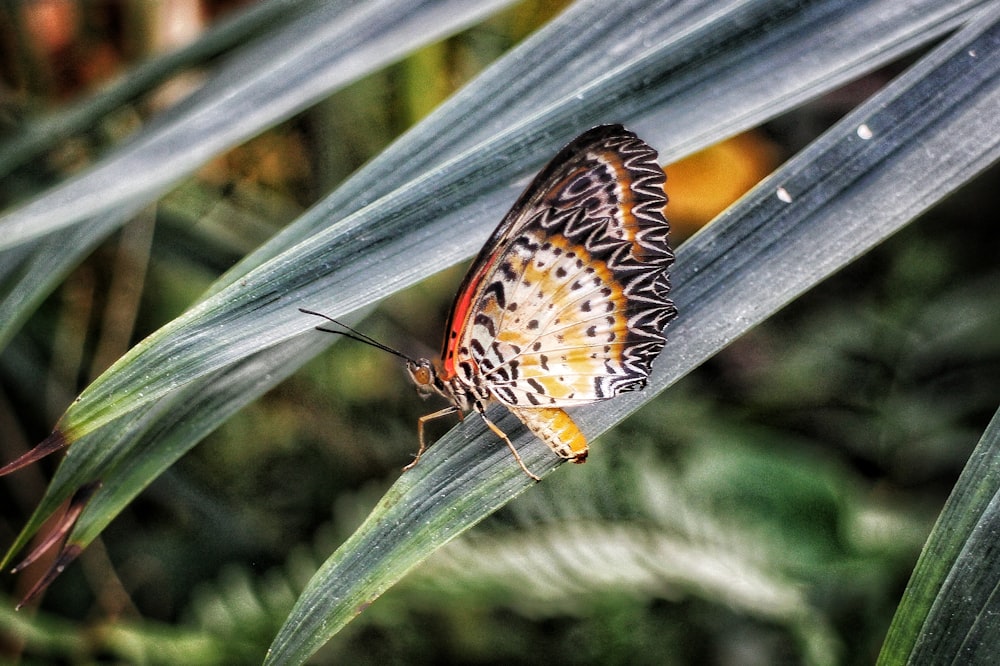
[567,301]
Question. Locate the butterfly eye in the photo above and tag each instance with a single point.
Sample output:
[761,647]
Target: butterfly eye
[422,373]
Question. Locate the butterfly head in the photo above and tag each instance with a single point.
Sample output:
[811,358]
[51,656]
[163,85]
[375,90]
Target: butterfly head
[424,373]
[428,380]
[425,376]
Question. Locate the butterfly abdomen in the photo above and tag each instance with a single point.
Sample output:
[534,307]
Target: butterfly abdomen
[557,429]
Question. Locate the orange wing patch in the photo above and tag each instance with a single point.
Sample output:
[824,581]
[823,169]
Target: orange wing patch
[558,330]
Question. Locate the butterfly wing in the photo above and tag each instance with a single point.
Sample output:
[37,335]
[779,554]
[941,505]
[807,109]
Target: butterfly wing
[567,301]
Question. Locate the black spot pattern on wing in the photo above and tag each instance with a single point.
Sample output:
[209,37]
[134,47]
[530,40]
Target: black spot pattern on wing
[581,280]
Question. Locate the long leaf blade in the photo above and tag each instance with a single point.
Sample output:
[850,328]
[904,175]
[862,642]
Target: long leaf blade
[767,249]
[332,45]
[42,134]
[704,100]
[332,269]
[216,327]
[949,609]
[233,106]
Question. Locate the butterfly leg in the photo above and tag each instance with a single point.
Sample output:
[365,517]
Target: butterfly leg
[420,431]
[510,445]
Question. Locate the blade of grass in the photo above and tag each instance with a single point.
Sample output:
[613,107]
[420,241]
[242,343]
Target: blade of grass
[331,46]
[241,99]
[42,134]
[537,74]
[343,267]
[840,197]
[713,81]
[356,280]
[949,608]
[136,450]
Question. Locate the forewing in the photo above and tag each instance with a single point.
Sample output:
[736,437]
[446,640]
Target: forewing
[567,303]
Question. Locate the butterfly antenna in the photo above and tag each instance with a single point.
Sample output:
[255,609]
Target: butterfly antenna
[355,335]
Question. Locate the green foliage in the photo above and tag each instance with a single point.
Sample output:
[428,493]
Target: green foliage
[767,508]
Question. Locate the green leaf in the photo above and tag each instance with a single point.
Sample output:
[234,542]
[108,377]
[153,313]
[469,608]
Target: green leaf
[827,206]
[317,47]
[949,610]
[333,44]
[409,201]
[42,134]
[368,254]
[683,77]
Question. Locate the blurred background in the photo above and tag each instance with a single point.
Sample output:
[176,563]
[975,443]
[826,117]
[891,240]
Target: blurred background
[767,509]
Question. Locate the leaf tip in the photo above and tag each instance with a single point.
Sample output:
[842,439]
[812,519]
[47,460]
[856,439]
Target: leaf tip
[76,505]
[54,442]
[66,556]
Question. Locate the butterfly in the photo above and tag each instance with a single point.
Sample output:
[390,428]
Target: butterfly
[566,303]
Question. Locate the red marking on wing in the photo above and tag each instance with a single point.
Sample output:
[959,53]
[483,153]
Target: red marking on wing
[457,321]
